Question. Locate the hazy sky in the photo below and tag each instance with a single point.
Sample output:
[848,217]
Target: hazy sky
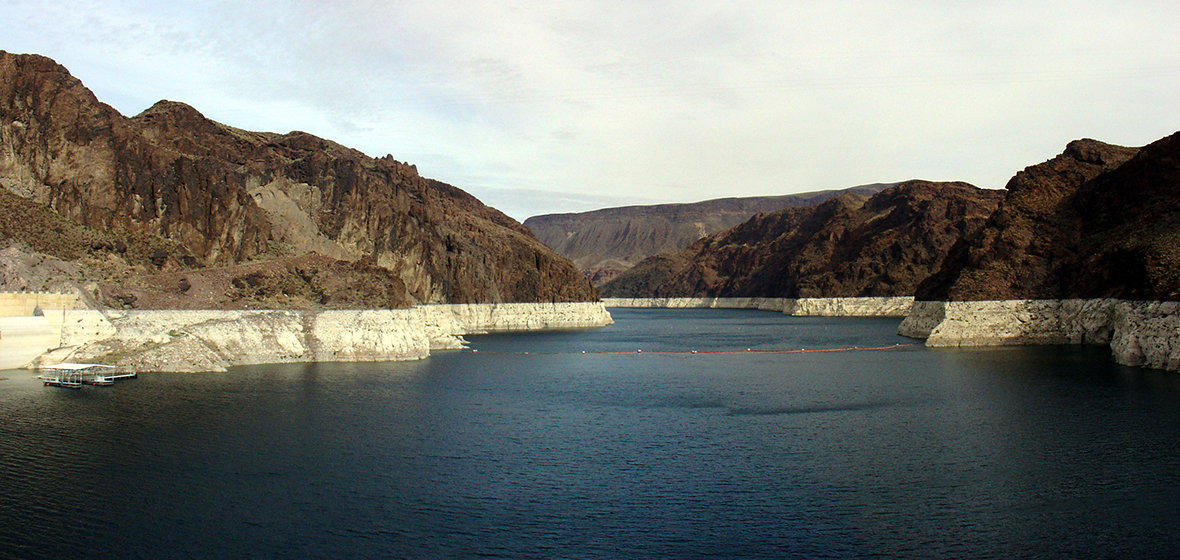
[560,106]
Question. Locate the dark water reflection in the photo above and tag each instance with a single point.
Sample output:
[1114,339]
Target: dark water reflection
[1033,452]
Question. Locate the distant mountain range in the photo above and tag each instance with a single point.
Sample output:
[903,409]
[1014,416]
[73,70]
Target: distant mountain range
[170,209]
[1097,221]
[604,243]
[850,245]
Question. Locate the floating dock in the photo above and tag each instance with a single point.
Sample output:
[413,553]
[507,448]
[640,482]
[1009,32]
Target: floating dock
[74,376]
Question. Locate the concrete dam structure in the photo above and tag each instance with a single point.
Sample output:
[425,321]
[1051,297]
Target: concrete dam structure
[30,324]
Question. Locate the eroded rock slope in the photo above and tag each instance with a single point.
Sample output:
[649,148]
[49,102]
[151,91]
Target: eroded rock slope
[166,202]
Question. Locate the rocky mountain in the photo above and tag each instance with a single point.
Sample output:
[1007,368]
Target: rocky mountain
[169,208]
[1097,221]
[851,245]
[604,243]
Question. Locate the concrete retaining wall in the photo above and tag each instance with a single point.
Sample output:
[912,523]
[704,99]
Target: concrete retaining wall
[21,304]
[25,338]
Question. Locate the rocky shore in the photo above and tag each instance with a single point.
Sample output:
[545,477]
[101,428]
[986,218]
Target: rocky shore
[1139,333]
[800,307]
[209,340]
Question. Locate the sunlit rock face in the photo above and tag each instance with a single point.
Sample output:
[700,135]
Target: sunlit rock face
[1140,333]
[213,340]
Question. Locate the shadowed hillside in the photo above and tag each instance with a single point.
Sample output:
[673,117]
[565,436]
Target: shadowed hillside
[604,243]
[1096,221]
[851,245]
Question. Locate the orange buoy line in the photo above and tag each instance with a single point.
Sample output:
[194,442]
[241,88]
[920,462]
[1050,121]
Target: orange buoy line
[691,352]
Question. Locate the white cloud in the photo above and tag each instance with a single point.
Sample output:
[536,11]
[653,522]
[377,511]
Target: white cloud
[599,103]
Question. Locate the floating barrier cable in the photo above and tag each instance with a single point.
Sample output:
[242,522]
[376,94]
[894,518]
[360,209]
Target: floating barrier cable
[707,352]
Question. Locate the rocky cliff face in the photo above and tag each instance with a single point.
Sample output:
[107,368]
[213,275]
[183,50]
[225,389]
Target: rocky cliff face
[849,246]
[169,192]
[1097,221]
[604,243]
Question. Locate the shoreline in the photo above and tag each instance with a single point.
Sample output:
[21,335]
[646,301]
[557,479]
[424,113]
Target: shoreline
[211,340]
[1139,333]
[798,307]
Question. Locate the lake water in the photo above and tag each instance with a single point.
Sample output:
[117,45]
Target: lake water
[907,452]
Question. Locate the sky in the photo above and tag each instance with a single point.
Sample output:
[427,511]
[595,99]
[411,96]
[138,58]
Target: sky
[571,105]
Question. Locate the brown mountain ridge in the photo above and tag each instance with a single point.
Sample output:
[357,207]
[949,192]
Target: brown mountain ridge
[154,206]
[852,245]
[605,243]
[1097,221]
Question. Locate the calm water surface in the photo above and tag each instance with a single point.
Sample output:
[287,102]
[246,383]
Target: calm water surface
[1033,452]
